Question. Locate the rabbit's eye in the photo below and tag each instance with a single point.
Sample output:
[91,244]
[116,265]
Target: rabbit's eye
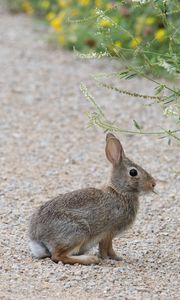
[133,172]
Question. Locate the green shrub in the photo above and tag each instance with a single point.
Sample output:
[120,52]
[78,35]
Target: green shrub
[143,34]
[149,31]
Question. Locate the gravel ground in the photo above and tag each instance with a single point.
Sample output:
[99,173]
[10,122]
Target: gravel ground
[46,149]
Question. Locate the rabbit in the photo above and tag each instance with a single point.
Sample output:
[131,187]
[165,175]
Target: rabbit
[65,227]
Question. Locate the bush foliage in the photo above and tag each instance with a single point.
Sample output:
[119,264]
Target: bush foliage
[149,31]
[143,34]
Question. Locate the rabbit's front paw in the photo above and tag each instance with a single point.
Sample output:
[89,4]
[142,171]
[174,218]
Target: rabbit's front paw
[115,257]
[111,256]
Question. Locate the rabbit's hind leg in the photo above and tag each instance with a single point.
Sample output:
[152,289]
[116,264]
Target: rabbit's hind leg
[65,255]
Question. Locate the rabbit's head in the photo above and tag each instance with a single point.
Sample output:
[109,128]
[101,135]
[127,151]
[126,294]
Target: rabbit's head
[126,176]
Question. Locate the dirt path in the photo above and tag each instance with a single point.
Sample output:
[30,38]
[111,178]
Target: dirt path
[46,149]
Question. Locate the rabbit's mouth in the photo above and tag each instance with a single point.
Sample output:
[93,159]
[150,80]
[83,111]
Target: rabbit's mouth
[148,188]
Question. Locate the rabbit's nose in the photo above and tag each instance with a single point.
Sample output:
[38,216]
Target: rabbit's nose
[153,183]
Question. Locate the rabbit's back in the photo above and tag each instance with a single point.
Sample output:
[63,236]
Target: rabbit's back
[90,210]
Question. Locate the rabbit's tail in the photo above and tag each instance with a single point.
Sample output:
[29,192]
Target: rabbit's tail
[38,249]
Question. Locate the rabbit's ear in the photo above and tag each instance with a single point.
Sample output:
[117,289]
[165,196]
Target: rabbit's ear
[109,135]
[114,150]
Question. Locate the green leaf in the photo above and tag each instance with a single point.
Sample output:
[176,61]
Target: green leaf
[159,88]
[131,76]
[137,125]
[123,74]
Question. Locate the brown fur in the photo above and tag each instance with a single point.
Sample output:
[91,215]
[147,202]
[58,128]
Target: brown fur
[59,254]
[72,223]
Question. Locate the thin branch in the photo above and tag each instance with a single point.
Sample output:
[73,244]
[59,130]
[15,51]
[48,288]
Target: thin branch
[129,93]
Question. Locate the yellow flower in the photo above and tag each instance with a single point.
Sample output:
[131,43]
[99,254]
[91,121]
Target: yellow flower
[56,24]
[45,4]
[63,3]
[105,22]
[50,16]
[98,3]
[27,8]
[149,21]
[118,44]
[83,2]
[160,35]
[135,42]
